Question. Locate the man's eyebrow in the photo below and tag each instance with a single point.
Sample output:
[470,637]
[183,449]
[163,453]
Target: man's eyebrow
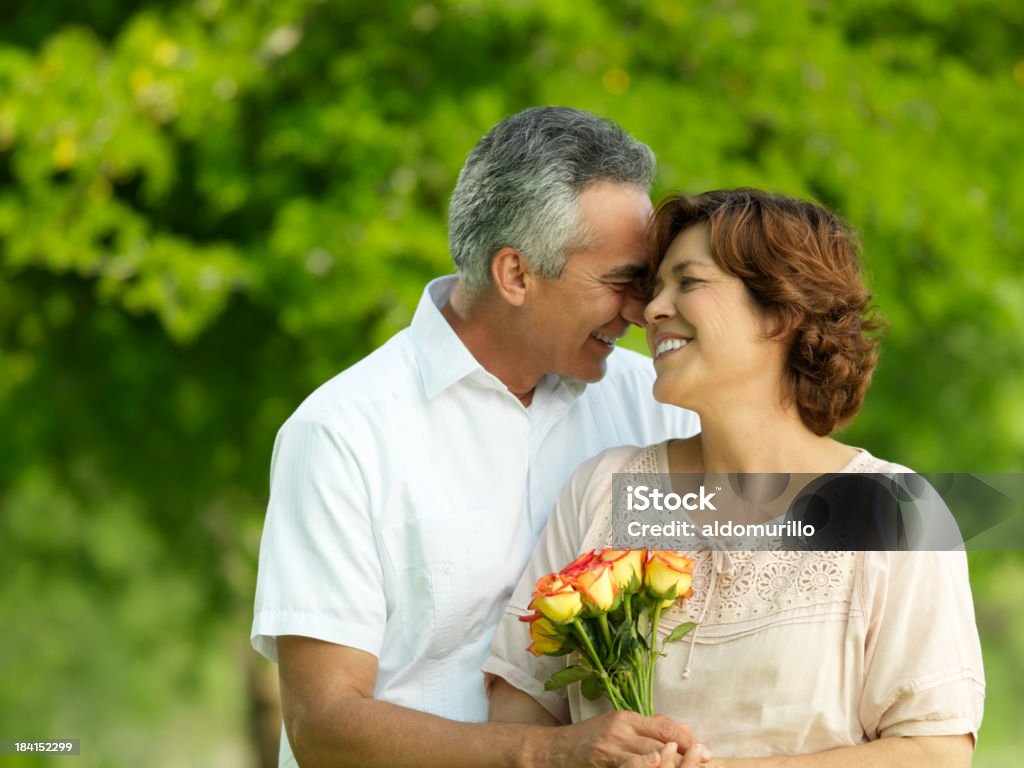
[626,272]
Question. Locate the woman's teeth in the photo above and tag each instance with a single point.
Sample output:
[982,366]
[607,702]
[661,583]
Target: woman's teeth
[668,345]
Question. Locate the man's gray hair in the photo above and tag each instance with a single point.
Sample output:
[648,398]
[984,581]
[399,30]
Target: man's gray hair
[521,184]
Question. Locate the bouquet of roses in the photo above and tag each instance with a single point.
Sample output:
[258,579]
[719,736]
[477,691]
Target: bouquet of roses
[606,607]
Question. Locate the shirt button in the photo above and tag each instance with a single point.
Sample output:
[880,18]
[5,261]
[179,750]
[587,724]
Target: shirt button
[448,568]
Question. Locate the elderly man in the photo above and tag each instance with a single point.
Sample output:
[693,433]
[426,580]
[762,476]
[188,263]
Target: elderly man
[407,493]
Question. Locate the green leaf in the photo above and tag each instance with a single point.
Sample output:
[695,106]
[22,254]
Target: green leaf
[565,677]
[591,688]
[680,632]
[626,641]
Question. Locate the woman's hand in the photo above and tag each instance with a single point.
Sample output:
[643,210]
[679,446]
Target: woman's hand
[669,757]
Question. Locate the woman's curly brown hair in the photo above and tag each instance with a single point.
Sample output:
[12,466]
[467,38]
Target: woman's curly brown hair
[800,263]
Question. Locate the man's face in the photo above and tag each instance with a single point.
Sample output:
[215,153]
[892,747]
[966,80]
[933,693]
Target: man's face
[577,318]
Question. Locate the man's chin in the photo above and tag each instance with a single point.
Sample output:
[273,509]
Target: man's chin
[592,373]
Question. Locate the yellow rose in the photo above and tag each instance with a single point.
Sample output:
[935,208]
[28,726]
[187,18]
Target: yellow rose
[597,584]
[626,563]
[668,574]
[557,599]
[546,639]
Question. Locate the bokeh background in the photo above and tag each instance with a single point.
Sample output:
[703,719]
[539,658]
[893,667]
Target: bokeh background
[209,207]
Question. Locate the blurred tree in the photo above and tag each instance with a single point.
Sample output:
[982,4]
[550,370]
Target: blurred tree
[209,207]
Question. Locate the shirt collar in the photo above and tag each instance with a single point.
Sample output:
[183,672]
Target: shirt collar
[443,358]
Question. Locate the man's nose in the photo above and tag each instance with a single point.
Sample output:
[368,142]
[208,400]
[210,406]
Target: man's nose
[633,308]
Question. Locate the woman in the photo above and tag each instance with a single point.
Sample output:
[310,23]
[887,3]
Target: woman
[760,323]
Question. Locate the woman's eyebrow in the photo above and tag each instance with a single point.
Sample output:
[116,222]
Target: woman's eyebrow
[680,267]
[676,270]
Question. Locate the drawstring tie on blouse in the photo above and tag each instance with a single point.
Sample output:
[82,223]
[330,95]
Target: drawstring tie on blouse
[721,562]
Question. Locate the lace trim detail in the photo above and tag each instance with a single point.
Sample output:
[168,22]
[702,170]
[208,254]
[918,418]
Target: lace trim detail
[763,587]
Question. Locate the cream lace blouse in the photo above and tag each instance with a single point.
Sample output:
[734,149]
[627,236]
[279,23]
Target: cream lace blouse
[796,652]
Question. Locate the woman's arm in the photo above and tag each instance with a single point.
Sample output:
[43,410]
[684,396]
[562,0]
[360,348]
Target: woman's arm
[894,752]
[510,705]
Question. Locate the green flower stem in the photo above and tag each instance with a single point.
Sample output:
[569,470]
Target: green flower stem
[635,688]
[638,674]
[655,652]
[645,692]
[602,619]
[582,632]
[610,688]
[642,664]
[614,694]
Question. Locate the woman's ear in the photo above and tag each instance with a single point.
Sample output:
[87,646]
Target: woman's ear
[509,271]
[781,326]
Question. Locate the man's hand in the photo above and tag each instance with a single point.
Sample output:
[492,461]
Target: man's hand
[612,739]
[619,738]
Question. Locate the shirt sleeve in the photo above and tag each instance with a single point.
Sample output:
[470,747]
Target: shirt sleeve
[319,571]
[558,546]
[923,668]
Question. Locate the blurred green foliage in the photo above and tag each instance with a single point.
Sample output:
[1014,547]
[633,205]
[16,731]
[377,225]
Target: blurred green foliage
[209,207]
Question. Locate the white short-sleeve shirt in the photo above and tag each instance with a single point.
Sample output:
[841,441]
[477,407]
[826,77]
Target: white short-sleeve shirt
[407,494]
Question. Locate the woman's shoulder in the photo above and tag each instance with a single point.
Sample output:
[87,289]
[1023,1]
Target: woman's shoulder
[622,458]
[929,525]
[863,461]
[587,497]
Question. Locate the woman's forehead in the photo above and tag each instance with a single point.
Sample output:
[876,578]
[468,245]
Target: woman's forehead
[691,247]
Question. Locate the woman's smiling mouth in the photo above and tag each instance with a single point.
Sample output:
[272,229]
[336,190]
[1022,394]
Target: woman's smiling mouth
[665,346]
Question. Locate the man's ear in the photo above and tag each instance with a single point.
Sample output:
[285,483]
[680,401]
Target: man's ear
[509,271]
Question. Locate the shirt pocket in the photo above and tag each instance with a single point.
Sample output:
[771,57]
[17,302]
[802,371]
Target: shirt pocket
[448,585]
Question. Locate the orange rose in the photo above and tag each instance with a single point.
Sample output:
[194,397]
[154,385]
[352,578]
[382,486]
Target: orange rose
[597,583]
[577,566]
[557,599]
[627,564]
[668,575]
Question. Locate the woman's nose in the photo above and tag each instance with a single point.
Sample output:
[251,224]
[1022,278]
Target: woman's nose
[658,308]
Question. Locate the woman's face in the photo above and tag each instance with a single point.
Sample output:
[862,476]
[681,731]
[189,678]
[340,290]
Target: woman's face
[706,334]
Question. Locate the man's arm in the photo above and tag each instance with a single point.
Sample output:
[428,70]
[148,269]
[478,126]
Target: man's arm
[333,720]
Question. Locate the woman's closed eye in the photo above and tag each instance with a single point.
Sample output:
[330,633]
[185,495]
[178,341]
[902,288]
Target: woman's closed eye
[685,281]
